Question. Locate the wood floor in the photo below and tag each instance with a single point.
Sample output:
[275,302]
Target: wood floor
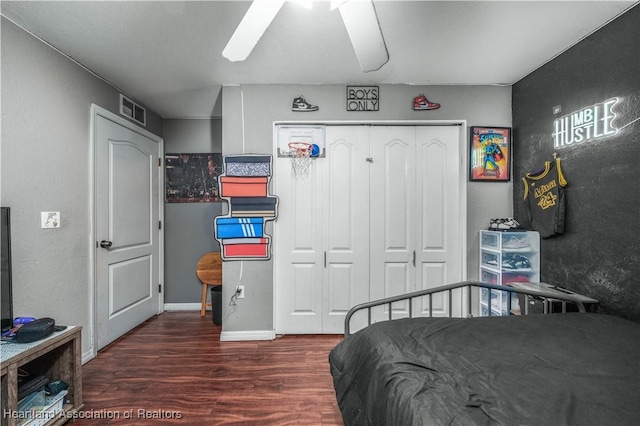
[174,370]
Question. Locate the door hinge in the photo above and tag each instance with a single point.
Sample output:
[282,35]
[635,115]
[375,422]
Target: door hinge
[159,288]
[159,224]
[159,161]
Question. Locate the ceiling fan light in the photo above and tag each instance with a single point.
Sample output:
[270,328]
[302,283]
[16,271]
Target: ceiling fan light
[251,28]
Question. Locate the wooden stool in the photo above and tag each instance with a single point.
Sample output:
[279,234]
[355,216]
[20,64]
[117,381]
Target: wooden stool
[209,271]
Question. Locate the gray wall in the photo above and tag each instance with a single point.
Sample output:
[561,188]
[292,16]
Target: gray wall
[45,166]
[258,106]
[599,253]
[188,230]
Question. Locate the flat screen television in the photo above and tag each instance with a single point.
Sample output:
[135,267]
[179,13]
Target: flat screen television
[6,296]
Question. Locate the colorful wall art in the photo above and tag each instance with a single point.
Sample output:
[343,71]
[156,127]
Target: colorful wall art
[244,184]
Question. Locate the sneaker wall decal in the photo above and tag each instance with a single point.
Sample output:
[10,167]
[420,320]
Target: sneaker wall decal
[300,104]
[421,103]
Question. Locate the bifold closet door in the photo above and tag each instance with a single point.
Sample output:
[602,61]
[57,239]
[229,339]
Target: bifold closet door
[379,215]
[322,240]
[415,214]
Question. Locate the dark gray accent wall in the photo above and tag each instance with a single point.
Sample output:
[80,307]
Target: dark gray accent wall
[599,254]
[188,230]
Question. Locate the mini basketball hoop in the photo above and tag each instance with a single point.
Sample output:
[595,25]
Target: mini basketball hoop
[300,153]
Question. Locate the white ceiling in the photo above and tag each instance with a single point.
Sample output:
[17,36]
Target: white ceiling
[167,54]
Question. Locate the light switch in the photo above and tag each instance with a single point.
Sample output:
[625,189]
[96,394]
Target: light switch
[50,220]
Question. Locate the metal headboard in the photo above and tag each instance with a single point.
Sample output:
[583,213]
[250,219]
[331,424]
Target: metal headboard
[448,289]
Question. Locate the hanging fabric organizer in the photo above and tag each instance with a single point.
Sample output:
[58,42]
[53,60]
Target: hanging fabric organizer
[244,184]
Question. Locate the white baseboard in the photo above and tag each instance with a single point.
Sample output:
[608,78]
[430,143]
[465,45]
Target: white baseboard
[88,356]
[183,307]
[234,336]
[225,336]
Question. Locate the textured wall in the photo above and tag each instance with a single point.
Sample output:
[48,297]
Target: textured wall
[599,254]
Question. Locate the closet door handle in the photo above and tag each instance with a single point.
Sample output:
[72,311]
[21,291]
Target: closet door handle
[413,260]
[325,259]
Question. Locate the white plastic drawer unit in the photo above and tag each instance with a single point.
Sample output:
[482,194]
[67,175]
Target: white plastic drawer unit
[506,257]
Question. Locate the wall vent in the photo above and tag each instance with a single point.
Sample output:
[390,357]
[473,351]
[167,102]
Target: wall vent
[132,110]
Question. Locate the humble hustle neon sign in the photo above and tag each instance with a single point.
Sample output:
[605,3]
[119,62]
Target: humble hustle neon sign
[589,123]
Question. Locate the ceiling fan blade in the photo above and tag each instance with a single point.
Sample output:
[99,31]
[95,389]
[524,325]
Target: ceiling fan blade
[251,28]
[362,25]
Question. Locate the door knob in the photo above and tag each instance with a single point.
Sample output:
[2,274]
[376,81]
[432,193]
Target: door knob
[105,244]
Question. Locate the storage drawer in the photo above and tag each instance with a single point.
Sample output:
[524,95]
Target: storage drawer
[490,259]
[490,240]
[490,277]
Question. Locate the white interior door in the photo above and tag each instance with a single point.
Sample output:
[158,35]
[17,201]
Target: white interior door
[298,249]
[127,231]
[346,224]
[439,232]
[321,236]
[393,214]
[415,215]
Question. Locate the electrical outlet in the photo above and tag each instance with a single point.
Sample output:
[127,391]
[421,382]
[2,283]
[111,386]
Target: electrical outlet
[240,289]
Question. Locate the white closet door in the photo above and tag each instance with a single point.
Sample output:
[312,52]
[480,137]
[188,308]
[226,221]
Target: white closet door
[393,214]
[438,226]
[298,248]
[356,230]
[322,236]
[415,214]
[346,223]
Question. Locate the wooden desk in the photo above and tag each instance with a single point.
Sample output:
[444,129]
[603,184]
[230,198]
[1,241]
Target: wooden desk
[58,355]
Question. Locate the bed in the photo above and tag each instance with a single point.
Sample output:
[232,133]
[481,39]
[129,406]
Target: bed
[565,368]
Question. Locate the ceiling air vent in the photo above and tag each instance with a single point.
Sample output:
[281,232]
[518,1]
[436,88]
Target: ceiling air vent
[132,110]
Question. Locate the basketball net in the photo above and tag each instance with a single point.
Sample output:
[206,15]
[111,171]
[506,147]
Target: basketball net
[300,153]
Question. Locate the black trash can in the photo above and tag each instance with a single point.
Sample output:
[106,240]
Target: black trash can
[216,304]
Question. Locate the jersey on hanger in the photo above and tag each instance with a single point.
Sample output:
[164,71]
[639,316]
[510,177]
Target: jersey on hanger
[544,198]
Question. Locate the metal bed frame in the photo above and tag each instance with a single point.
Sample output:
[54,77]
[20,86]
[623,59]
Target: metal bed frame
[469,285]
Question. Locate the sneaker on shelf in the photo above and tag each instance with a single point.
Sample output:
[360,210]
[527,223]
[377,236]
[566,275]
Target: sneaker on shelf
[507,224]
[516,262]
[421,102]
[514,242]
[300,104]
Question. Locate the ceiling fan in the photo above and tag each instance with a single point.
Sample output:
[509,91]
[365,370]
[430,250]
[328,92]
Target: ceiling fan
[359,18]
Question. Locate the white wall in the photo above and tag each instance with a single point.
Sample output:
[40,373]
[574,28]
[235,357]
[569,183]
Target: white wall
[248,115]
[45,166]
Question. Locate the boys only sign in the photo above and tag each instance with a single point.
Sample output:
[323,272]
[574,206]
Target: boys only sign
[363,98]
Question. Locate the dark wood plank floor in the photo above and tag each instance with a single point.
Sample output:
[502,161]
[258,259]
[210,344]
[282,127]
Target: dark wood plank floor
[173,369]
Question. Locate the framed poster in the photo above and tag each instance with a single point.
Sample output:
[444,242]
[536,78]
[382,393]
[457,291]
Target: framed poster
[192,178]
[490,154]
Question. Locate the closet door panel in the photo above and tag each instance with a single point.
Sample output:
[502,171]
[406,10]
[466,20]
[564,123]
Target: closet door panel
[346,227]
[438,258]
[393,221]
[298,251]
